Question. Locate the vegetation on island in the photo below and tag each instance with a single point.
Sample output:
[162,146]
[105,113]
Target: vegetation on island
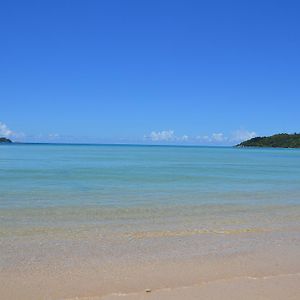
[282,140]
[5,140]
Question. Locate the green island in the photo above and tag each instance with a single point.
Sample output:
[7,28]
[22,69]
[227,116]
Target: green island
[282,140]
[5,140]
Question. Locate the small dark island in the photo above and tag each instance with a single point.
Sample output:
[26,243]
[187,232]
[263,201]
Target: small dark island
[282,140]
[5,140]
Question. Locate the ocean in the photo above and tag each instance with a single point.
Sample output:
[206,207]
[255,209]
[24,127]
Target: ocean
[63,206]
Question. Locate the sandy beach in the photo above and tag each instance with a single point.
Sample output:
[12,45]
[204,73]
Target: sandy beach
[271,273]
[276,288]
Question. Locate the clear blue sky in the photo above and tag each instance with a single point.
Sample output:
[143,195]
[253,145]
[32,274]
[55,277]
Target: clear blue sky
[173,71]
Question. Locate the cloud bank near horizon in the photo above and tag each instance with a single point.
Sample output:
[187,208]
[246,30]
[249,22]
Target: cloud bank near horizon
[155,137]
[165,136]
[236,136]
[5,131]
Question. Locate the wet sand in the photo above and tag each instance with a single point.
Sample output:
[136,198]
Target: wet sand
[273,273]
[249,288]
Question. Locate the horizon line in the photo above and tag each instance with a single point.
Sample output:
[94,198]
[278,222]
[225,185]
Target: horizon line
[119,144]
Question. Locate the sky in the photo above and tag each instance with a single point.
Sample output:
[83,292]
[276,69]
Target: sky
[154,71]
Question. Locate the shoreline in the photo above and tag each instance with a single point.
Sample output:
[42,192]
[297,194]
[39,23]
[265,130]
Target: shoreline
[283,286]
[106,221]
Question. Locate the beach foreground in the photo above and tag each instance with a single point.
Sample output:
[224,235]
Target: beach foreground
[270,272]
[243,277]
[284,287]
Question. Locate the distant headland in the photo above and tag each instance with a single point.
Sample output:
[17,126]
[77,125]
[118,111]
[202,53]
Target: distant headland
[282,140]
[5,140]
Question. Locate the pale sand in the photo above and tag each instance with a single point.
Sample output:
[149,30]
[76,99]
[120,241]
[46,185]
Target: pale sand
[273,274]
[251,288]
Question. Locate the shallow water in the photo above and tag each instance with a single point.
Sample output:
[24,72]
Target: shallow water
[36,176]
[69,190]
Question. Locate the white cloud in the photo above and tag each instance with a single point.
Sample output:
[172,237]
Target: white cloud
[5,131]
[53,136]
[242,135]
[218,137]
[165,136]
[185,138]
[203,138]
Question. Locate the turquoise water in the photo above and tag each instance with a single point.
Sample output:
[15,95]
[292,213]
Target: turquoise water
[129,176]
[83,197]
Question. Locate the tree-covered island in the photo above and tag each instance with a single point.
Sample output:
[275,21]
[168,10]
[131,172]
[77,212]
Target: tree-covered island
[282,140]
[5,140]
